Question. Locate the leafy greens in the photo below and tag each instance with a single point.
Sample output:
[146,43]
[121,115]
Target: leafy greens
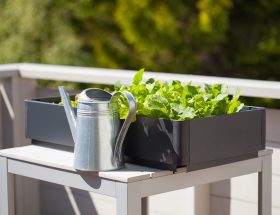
[172,100]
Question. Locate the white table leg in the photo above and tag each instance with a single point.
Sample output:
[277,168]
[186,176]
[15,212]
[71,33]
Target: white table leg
[6,189]
[145,206]
[202,199]
[265,187]
[128,199]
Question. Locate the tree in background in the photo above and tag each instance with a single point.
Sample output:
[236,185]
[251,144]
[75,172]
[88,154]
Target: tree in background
[38,31]
[253,48]
[213,37]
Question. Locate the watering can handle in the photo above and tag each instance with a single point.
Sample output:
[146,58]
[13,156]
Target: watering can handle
[118,156]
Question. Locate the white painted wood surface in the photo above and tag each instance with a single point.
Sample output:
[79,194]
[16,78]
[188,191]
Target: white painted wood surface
[8,71]
[61,159]
[6,189]
[54,200]
[14,90]
[2,103]
[128,194]
[254,88]
[58,158]
[268,89]
[44,173]
[272,125]
[128,200]
[22,88]
[265,187]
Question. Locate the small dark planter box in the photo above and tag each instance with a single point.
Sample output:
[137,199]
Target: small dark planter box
[198,143]
[162,143]
[47,122]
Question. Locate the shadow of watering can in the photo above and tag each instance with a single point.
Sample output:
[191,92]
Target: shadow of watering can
[95,129]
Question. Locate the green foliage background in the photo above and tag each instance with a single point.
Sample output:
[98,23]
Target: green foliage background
[213,37]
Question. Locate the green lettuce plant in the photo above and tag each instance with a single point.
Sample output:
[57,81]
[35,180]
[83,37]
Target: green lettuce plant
[172,100]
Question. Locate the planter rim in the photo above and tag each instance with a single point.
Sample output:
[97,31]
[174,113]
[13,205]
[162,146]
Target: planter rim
[244,109]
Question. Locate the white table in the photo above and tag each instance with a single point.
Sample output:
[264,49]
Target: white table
[130,186]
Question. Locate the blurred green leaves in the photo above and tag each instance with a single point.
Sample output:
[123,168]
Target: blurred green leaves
[38,31]
[212,37]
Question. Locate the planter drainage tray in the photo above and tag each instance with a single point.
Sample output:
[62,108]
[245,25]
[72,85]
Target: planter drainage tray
[162,143]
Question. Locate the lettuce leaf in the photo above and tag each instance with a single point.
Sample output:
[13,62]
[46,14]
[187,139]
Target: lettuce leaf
[172,100]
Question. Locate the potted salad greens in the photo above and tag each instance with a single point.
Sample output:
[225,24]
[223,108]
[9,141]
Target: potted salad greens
[174,101]
[176,125]
[187,125]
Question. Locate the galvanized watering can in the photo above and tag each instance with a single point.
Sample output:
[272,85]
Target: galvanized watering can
[95,129]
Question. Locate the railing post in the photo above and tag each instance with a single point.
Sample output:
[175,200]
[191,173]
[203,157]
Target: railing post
[21,89]
[1,123]
[13,135]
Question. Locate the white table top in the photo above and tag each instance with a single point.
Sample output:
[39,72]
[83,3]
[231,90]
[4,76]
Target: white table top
[61,159]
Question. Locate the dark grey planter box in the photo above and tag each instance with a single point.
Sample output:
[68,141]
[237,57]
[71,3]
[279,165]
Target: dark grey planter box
[47,122]
[162,143]
[198,143]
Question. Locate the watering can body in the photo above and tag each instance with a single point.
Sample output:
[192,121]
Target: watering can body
[96,129]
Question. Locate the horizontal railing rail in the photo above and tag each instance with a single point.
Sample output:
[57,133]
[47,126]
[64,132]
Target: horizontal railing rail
[247,87]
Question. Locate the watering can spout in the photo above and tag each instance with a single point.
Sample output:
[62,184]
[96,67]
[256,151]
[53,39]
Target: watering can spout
[71,116]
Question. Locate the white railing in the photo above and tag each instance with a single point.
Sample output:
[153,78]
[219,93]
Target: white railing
[251,88]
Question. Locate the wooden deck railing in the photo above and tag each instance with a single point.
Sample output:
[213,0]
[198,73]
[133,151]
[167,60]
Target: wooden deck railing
[248,87]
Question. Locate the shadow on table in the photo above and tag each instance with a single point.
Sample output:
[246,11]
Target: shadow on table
[220,198]
[60,200]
